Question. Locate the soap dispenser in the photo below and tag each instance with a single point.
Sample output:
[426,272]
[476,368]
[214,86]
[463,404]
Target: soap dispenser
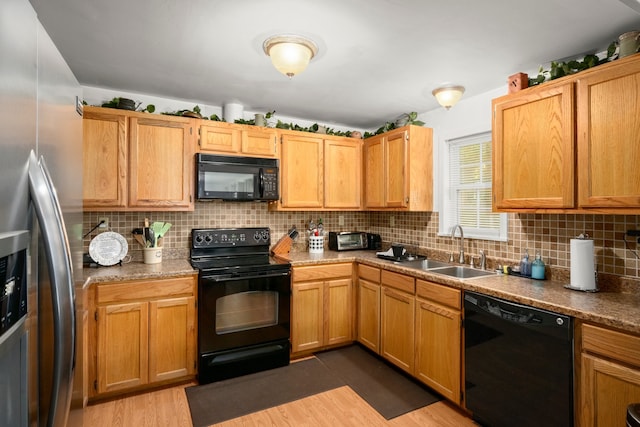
[537,268]
[525,264]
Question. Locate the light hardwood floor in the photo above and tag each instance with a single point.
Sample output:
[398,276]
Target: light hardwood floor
[340,407]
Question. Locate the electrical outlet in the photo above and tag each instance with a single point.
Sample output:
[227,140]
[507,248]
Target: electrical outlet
[392,221]
[340,219]
[104,221]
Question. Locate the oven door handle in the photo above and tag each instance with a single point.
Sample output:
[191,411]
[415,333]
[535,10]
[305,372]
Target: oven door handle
[231,277]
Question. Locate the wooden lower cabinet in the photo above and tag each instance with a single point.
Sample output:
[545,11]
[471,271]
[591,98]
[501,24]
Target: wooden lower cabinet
[369,307]
[321,307]
[397,319]
[438,338]
[609,376]
[144,334]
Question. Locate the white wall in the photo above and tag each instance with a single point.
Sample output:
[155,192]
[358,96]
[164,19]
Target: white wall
[97,96]
[468,117]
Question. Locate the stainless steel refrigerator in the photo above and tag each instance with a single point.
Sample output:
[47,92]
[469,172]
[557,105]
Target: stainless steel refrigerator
[40,210]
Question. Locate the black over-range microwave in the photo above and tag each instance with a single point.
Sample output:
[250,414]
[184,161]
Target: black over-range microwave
[236,178]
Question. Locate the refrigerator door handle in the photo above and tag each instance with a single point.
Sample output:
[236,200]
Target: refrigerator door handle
[57,249]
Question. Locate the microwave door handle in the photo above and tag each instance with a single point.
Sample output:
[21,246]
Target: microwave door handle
[261,182]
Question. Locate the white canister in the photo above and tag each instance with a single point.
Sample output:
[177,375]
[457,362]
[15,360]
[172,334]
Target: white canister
[152,255]
[232,112]
[316,244]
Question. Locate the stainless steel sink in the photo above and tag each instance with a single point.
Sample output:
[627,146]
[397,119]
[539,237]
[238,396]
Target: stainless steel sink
[424,264]
[460,272]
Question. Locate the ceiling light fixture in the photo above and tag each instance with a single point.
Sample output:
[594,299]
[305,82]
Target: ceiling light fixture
[448,96]
[290,54]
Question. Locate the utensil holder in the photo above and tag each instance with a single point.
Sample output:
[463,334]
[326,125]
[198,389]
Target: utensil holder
[152,255]
[316,244]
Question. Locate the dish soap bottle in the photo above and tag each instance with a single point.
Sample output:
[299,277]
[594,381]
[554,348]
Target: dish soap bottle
[537,268]
[525,264]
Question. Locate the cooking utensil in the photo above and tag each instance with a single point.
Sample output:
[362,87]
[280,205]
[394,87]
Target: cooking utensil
[138,234]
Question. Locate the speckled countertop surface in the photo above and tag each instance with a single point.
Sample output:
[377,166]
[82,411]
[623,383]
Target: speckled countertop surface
[610,308]
[138,270]
[614,309]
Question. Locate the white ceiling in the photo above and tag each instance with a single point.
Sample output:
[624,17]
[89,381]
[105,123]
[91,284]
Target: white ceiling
[377,59]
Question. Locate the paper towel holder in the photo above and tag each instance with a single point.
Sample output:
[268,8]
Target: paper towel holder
[584,236]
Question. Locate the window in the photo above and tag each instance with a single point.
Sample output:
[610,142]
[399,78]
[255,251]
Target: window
[467,198]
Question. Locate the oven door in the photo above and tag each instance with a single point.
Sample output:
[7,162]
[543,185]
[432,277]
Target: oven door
[243,310]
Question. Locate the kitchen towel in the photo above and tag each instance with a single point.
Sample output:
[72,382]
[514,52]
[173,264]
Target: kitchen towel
[582,265]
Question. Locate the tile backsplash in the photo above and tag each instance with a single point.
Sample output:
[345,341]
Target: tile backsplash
[549,234]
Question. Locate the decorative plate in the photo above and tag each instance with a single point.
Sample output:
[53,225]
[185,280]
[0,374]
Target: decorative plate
[108,248]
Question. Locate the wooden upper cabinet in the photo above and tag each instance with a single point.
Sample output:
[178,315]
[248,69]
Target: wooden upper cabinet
[533,148]
[343,173]
[220,137]
[104,159]
[161,163]
[137,161]
[234,139]
[301,171]
[259,141]
[570,145]
[399,170]
[608,122]
[374,188]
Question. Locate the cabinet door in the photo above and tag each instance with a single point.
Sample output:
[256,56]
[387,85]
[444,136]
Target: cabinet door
[220,137]
[369,314]
[302,172]
[438,348]
[122,351]
[343,174]
[259,142]
[397,182]
[374,173]
[397,328]
[172,339]
[533,149]
[307,318]
[607,389]
[161,164]
[339,311]
[104,157]
[609,136]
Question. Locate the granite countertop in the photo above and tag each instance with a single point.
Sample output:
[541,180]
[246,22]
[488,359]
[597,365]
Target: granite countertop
[609,308]
[137,270]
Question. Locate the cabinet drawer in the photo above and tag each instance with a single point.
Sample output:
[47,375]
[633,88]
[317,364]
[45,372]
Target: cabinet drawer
[616,345]
[320,272]
[439,293]
[137,290]
[369,273]
[399,281]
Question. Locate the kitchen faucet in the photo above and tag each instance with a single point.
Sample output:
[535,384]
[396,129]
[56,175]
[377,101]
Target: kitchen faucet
[453,233]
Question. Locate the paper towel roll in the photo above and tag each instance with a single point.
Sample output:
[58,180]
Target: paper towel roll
[582,265]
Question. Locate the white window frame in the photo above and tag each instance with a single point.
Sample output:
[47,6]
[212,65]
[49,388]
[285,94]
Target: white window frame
[448,217]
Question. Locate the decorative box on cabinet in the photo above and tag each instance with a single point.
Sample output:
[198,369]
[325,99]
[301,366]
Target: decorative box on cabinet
[143,334]
[322,306]
[398,170]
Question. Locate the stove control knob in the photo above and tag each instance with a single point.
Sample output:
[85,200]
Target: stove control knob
[199,238]
[256,236]
[208,238]
[265,235]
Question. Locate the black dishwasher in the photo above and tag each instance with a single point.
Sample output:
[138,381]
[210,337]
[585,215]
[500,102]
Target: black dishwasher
[518,364]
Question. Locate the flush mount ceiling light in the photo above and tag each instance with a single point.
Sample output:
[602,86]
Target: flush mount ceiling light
[448,96]
[290,54]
